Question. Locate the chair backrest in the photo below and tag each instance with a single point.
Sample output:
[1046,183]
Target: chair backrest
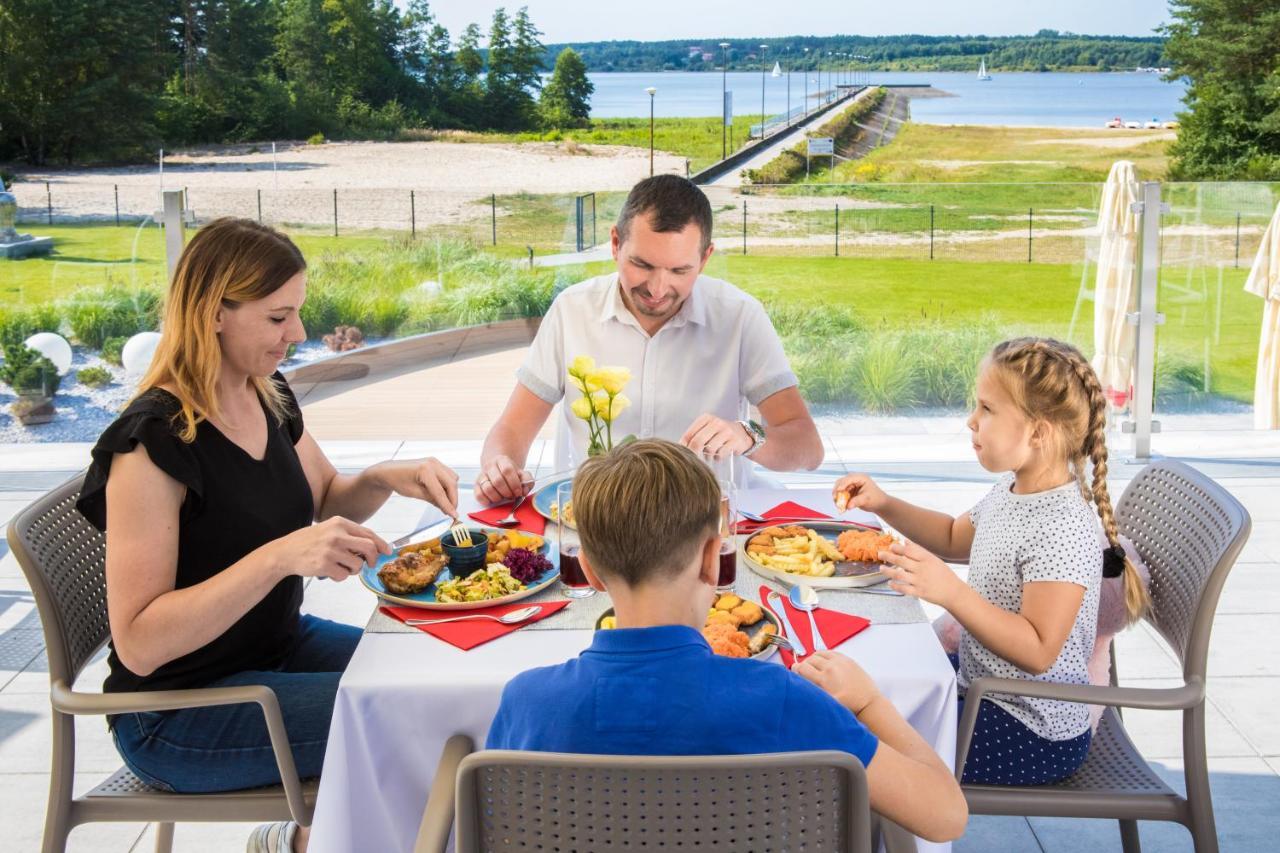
[1189,531]
[553,801]
[64,558]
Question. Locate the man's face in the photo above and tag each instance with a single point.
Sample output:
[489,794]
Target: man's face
[657,270]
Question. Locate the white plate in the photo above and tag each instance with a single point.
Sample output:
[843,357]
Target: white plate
[868,574]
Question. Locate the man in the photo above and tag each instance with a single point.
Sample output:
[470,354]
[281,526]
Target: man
[699,351]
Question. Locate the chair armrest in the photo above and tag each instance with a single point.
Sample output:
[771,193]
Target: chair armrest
[437,817]
[1186,695]
[68,701]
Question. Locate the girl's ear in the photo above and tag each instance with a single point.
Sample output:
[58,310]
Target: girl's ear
[1040,435]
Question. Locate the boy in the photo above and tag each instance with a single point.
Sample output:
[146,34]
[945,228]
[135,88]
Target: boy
[648,516]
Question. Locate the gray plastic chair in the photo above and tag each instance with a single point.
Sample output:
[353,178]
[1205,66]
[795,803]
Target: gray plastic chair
[64,559]
[600,803]
[1189,531]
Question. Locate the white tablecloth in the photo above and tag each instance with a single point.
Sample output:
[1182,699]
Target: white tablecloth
[404,695]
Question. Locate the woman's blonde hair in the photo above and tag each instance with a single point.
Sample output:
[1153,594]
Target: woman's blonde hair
[1051,381]
[229,262]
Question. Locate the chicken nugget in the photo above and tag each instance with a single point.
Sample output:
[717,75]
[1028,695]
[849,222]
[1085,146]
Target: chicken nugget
[749,612]
[726,641]
[727,601]
[761,639]
[725,617]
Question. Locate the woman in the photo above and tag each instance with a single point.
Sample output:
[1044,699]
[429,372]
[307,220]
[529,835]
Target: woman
[207,487]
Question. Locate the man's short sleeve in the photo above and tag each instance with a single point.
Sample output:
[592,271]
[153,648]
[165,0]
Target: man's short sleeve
[763,367]
[543,370]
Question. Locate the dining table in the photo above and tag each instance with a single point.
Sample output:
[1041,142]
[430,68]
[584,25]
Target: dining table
[405,693]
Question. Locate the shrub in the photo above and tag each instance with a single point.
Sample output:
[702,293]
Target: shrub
[790,165]
[97,314]
[28,372]
[113,349]
[18,325]
[94,377]
[886,375]
[316,139]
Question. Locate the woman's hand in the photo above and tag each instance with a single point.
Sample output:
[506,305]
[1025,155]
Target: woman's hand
[840,676]
[425,479]
[914,571]
[335,549]
[859,492]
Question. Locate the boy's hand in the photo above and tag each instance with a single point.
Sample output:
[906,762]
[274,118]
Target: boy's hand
[860,492]
[847,682]
[914,571]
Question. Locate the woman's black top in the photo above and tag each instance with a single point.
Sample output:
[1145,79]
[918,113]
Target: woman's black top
[233,505]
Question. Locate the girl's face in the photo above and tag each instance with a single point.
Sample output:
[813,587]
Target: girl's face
[255,336]
[1004,439]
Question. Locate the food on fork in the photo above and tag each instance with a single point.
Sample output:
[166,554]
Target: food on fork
[412,571]
[758,643]
[863,545]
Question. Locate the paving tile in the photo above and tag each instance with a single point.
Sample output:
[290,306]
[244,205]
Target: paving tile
[26,737]
[1250,704]
[986,833]
[1241,644]
[25,797]
[1158,734]
[1141,653]
[1251,588]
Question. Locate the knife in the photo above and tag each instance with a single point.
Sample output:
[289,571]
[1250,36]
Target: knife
[775,604]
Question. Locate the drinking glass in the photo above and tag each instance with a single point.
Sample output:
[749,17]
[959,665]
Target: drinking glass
[572,577]
[723,470]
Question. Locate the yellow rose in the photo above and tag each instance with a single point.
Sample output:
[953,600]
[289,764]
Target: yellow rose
[609,413]
[582,365]
[611,379]
[582,407]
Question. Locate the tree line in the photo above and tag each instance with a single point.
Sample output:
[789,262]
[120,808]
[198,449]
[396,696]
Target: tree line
[1047,50]
[83,79]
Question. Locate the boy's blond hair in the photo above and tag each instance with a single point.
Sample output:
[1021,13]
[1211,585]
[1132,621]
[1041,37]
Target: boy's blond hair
[644,510]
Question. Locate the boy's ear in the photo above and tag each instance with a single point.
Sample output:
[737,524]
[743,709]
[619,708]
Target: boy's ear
[592,577]
[709,570]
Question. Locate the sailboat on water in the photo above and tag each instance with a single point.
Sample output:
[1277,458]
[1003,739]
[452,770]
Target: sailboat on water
[982,71]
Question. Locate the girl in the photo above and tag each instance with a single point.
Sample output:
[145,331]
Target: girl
[1036,562]
[211,485]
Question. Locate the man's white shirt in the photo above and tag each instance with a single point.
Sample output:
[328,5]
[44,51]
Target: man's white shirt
[718,354]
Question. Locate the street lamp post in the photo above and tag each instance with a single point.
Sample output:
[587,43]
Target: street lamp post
[784,50]
[652,91]
[806,82]
[763,69]
[724,88]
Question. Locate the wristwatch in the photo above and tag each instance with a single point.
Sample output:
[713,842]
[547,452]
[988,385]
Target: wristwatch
[757,435]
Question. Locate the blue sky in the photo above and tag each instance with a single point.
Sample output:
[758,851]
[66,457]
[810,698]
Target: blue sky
[649,20]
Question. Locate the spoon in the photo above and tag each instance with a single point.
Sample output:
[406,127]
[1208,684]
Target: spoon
[804,597]
[506,619]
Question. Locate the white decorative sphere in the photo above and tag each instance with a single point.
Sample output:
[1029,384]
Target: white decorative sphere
[53,347]
[431,288]
[138,352]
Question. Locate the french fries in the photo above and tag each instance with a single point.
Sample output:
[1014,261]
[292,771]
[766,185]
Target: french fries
[808,554]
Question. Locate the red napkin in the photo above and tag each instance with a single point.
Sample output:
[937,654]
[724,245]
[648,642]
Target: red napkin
[785,512]
[835,627]
[530,519]
[470,633]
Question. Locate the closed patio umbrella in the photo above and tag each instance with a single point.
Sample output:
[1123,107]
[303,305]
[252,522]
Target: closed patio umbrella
[1116,287]
[1264,281]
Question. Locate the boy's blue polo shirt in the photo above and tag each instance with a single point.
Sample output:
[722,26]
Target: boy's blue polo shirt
[661,691]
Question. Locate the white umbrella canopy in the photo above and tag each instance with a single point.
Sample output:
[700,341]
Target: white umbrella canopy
[1116,287]
[1264,281]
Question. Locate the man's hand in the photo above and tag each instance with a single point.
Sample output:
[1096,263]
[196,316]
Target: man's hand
[501,481]
[712,436]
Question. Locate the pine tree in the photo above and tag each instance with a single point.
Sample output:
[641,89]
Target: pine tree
[566,99]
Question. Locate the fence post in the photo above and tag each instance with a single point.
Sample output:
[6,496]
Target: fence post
[259,206]
[335,211]
[48,199]
[1028,235]
[1146,318]
[837,229]
[174,236]
[116,188]
[1237,266]
[744,226]
[930,232]
[593,220]
[493,219]
[413,216]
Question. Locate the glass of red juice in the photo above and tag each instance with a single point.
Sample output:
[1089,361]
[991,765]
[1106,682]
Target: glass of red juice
[572,578]
[728,541]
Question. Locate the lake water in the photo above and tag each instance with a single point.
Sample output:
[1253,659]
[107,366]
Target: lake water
[1064,100]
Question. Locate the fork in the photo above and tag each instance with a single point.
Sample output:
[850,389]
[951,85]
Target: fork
[461,535]
[511,520]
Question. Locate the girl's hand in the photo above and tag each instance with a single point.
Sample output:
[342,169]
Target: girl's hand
[425,479]
[840,676]
[335,548]
[858,491]
[914,571]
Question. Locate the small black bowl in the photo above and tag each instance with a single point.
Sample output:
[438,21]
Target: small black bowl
[465,560]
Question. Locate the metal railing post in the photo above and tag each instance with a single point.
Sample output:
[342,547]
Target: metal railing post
[1146,318]
[174,229]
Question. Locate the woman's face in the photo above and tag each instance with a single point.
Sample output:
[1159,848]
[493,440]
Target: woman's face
[256,335]
[1004,439]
